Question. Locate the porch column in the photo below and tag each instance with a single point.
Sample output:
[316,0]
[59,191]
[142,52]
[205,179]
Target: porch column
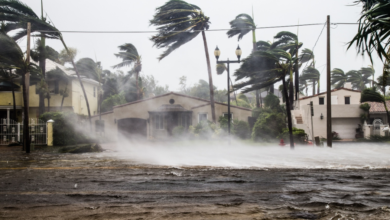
[8,117]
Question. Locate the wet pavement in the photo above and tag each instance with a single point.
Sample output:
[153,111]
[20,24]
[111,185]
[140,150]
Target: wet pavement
[42,185]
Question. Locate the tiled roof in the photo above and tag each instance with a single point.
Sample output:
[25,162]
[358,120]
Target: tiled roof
[378,107]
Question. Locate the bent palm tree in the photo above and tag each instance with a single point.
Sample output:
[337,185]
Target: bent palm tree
[359,78]
[179,22]
[371,95]
[264,68]
[15,15]
[11,57]
[313,75]
[338,78]
[130,56]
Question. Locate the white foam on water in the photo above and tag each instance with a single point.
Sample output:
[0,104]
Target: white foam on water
[241,156]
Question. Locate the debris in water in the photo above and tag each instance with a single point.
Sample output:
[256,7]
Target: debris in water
[93,207]
[75,186]
[327,206]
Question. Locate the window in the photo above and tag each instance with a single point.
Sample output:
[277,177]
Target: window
[322,100]
[94,91]
[159,122]
[202,117]
[225,115]
[347,100]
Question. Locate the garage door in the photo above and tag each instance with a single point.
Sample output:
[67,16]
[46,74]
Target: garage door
[346,127]
[132,128]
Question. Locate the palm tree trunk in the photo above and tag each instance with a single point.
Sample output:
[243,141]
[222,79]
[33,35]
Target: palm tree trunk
[257,99]
[387,113]
[206,50]
[261,100]
[136,84]
[291,90]
[271,89]
[81,83]
[289,120]
[314,86]
[318,86]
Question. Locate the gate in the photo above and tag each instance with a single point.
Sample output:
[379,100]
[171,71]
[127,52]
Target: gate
[11,131]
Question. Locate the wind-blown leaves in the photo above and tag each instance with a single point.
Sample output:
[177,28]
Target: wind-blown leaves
[178,22]
[338,78]
[241,25]
[374,28]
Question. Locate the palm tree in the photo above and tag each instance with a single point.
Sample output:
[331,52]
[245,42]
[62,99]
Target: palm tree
[338,78]
[288,42]
[11,57]
[369,71]
[313,75]
[179,22]
[374,28]
[60,75]
[240,26]
[359,78]
[265,68]
[15,15]
[130,57]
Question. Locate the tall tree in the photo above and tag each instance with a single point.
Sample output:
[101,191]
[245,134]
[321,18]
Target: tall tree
[179,22]
[12,57]
[313,75]
[130,57]
[371,95]
[240,26]
[359,78]
[264,68]
[15,15]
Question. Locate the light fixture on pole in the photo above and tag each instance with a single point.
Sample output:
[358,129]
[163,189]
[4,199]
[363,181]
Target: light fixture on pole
[217,53]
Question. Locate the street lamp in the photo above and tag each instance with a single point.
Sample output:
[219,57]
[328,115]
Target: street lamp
[217,53]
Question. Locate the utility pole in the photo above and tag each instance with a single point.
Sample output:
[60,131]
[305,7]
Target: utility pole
[329,135]
[26,133]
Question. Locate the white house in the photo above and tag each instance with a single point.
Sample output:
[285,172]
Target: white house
[345,113]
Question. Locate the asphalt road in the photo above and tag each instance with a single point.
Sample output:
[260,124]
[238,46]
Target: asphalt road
[42,185]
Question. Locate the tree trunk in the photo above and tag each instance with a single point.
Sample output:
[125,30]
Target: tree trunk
[257,99]
[271,89]
[296,78]
[291,92]
[206,50]
[62,102]
[81,83]
[261,100]
[314,86]
[136,84]
[387,112]
[289,120]
[13,99]
[318,86]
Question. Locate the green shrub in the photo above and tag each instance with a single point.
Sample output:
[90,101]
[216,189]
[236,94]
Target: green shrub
[268,126]
[271,101]
[241,129]
[64,128]
[299,135]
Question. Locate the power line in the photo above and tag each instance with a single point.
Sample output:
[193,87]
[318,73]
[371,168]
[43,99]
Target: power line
[210,30]
[317,40]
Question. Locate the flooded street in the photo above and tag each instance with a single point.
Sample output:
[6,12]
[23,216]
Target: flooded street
[42,185]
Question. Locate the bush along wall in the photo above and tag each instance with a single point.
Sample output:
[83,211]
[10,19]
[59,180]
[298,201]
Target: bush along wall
[68,128]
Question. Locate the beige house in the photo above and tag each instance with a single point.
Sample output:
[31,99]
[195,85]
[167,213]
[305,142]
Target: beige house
[74,102]
[156,117]
[345,113]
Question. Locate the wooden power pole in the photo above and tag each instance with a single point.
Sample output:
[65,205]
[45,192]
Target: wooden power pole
[329,135]
[26,133]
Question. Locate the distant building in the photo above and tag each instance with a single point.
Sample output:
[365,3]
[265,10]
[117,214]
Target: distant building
[74,102]
[156,117]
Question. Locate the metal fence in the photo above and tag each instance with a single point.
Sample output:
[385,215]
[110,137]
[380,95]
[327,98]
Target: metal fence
[12,131]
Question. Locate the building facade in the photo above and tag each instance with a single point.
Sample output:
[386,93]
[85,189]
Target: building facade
[156,117]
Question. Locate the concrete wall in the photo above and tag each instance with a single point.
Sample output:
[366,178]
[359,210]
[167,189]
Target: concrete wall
[78,100]
[6,99]
[355,97]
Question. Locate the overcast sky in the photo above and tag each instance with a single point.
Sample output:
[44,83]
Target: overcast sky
[189,60]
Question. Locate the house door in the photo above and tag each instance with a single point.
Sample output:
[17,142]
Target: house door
[132,128]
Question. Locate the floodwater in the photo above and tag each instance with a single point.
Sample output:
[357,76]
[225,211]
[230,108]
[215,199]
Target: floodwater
[198,181]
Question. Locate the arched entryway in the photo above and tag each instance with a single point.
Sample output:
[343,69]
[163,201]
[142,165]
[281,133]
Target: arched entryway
[132,128]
